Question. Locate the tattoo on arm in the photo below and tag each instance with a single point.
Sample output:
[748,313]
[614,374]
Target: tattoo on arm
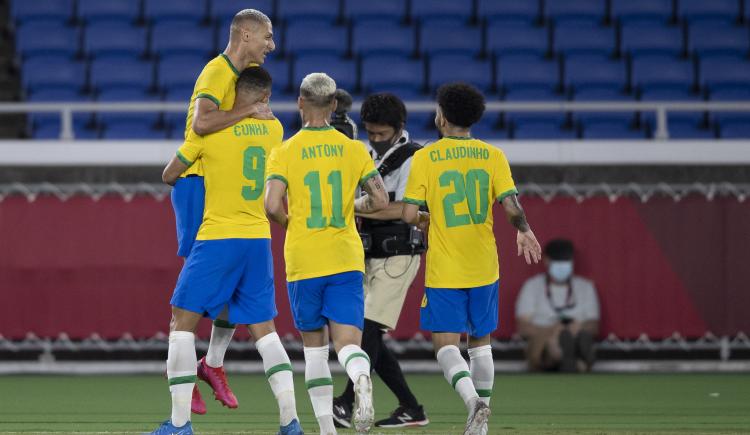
[515,213]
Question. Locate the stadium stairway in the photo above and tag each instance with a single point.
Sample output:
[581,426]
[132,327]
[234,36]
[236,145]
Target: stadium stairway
[11,125]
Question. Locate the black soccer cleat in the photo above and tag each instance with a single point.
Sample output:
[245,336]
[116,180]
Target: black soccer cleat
[404,417]
[342,413]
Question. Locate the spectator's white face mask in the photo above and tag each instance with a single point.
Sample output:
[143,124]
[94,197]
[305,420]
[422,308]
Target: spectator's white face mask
[560,271]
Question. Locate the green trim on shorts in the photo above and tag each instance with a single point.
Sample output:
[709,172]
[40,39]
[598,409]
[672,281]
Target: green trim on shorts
[223,324]
[356,355]
[278,368]
[413,201]
[484,393]
[458,376]
[506,194]
[190,379]
[318,382]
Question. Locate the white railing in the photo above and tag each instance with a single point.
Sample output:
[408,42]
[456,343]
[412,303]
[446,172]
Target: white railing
[660,108]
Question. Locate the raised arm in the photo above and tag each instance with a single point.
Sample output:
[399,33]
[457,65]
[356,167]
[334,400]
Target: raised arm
[208,118]
[274,202]
[173,170]
[376,198]
[525,239]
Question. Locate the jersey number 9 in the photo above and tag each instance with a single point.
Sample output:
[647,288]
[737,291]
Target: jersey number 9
[253,168]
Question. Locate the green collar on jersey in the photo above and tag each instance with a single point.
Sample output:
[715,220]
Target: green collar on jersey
[229,62]
[327,127]
[459,137]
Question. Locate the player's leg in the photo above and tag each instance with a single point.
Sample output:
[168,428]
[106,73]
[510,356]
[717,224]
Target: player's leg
[181,364]
[343,306]
[211,366]
[306,302]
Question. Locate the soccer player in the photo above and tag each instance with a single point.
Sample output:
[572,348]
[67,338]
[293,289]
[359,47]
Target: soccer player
[320,169]
[458,178]
[211,109]
[230,264]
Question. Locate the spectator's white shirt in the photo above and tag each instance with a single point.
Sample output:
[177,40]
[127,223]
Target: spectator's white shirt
[396,180]
[580,302]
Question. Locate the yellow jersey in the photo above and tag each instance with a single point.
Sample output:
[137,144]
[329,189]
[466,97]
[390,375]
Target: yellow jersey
[234,164]
[216,82]
[322,169]
[459,178]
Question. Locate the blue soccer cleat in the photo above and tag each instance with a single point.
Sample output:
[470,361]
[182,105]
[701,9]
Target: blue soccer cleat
[292,428]
[167,428]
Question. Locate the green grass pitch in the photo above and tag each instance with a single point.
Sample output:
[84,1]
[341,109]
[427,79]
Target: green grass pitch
[522,404]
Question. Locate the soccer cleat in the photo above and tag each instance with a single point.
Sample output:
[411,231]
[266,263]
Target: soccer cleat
[342,413]
[167,428]
[292,428]
[217,379]
[363,413]
[478,417]
[404,417]
[197,405]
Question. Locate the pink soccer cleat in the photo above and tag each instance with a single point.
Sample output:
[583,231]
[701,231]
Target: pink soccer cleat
[197,405]
[216,378]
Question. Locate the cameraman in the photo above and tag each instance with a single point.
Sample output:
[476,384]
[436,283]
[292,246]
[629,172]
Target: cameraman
[392,255]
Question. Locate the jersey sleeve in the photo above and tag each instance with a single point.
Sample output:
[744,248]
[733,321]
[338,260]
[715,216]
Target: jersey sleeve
[212,84]
[190,151]
[276,168]
[502,183]
[367,165]
[416,185]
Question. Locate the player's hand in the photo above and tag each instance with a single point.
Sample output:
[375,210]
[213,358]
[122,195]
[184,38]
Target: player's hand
[260,110]
[424,220]
[529,246]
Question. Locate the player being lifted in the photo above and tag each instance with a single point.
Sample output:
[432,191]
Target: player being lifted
[230,265]
[211,109]
[458,178]
[320,169]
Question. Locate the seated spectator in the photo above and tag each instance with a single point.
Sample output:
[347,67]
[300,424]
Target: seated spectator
[558,314]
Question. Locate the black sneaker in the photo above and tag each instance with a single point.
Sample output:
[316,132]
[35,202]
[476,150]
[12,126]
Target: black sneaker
[404,417]
[342,413]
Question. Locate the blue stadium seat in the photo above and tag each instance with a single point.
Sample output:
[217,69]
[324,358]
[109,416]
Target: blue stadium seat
[51,130]
[431,9]
[26,10]
[421,126]
[50,72]
[178,71]
[42,38]
[292,10]
[515,37]
[736,93]
[179,93]
[382,36]
[577,37]
[508,9]
[625,11]
[47,125]
[406,92]
[315,36]
[57,94]
[650,37]
[127,95]
[343,71]
[488,129]
[683,129]
[222,10]
[114,37]
[542,130]
[534,94]
[90,11]
[160,10]
[279,70]
[459,67]
[593,10]
[356,10]
[110,72]
[735,130]
[180,37]
[604,93]
[673,94]
[392,72]
[655,71]
[526,70]
[131,130]
[611,129]
[712,37]
[718,72]
[691,10]
[449,35]
[291,122]
[581,72]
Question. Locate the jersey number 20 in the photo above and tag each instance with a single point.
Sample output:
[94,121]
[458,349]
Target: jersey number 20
[473,188]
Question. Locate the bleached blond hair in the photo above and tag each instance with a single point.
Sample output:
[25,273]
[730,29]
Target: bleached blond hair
[318,88]
[252,16]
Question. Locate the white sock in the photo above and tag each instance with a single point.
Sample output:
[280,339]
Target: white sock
[457,373]
[279,374]
[355,361]
[181,372]
[320,386]
[221,334]
[482,371]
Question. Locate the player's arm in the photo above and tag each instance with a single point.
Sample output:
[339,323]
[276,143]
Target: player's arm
[525,239]
[208,118]
[413,216]
[274,201]
[376,198]
[173,170]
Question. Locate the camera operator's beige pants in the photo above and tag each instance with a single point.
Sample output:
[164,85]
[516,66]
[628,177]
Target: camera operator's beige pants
[386,282]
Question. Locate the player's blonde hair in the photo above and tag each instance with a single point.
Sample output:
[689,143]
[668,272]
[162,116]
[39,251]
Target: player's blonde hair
[253,16]
[318,88]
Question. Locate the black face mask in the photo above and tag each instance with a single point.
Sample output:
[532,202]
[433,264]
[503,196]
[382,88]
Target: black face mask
[381,146]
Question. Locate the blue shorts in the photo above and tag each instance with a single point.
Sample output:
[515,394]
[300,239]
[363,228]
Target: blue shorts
[232,273]
[188,198]
[472,310]
[339,297]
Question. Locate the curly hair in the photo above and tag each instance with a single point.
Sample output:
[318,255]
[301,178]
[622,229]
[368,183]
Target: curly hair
[461,103]
[383,108]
